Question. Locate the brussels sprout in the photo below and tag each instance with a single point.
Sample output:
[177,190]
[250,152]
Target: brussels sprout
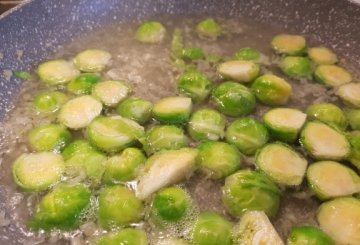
[112,134]
[247,54]
[308,235]
[284,123]
[247,134]
[123,167]
[322,56]
[332,75]
[296,66]
[173,241]
[173,110]
[83,83]
[288,44]
[209,28]
[354,140]
[164,137]
[323,142]
[61,208]
[329,114]
[79,112]
[37,171]
[353,116]
[128,236]
[177,43]
[233,99]
[239,70]
[111,93]
[165,168]
[118,206]
[192,53]
[271,90]
[56,72]
[340,219]
[248,190]
[49,101]
[255,228]
[51,137]
[206,124]
[150,32]
[211,229]
[219,159]
[92,60]
[349,93]
[329,179]
[135,109]
[194,85]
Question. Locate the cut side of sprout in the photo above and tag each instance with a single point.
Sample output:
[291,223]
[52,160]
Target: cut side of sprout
[173,110]
[239,70]
[209,28]
[332,75]
[322,56]
[111,93]
[349,93]
[150,32]
[288,44]
[92,60]
[49,101]
[56,72]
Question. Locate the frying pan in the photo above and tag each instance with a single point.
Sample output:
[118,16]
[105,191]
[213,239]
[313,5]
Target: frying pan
[38,27]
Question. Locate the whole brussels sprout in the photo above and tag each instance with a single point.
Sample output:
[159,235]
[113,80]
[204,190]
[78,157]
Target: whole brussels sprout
[83,83]
[92,60]
[308,235]
[135,109]
[194,85]
[209,28]
[49,101]
[150,32]
[296,66]
[247,54]
[128,236]
[329,114]
[288,44]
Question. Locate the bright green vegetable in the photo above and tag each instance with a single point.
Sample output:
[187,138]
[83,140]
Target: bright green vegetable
[271,90]
[288,44]
[128,236]
[83,83]
[239,70]
[79,112]
[206,124]
[111,93]
[51,137]
[192,54]
[323,142]
[354,140]
[49,101]
[247,134]
[92,60]
[211,229]
[173,241]
[349,93]
[194,85]
[308,235]
[218,159]
[150,32]
[247,54]
[123,167]
[62,208]
[340,219]
[112,134]
[282,164]
[332,75]
[37,171]
[233,99]
[322,56]
[56,72]
[135,109]
[173,109]
[353,116]
[118,206]
[164,137]
[296,66]
[209,28]
[329,114]
[177,44]
[284,123]
[247,190]
[22,75]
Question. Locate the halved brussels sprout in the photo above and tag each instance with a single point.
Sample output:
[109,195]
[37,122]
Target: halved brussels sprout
[332,75]
[118,206]
[211,229]
[323,142]
[135,109]
[255,228]
[37,171]
[128,236]
[173,241]
[247,134]
[233,99]
[49,101]
[112,134]
[192,53]
[51,137]
[354,140]
[322,56]
[123,167]
[329,179]
[248,190]
[329,114]
[165,168]
[56,72]
[173,109]
[247,54]
[209,28]
[271,90]
[353,116]
[284,123]
[92,60]
[340,219]
[239,70]
[79,112]
[83,83]
[150,32]
[111,93]
[308,235]
[349,93]
[218,159]
[296,66]
[194,85]
[61,208]
[288,44]
[282,164]
[206,124]
[164,137]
